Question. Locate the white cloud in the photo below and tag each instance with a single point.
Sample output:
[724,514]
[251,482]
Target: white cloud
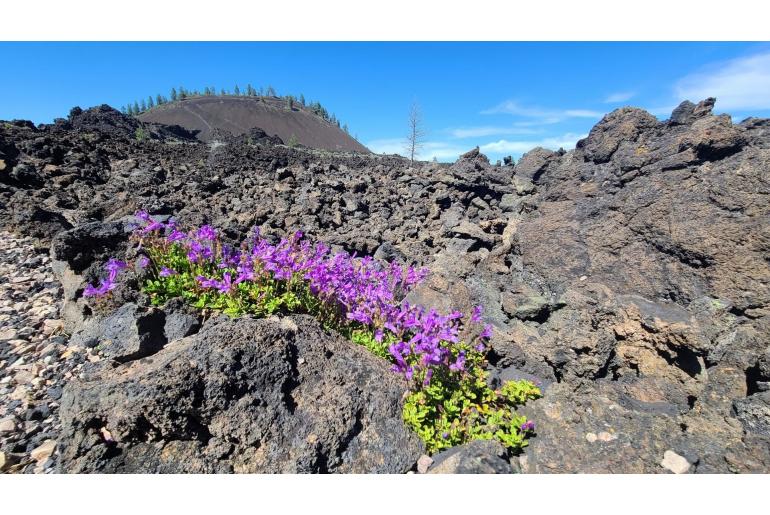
[565,141]
[443,151]
[449,152]
[511,107]
[582,113]
[620,96]
[387,146]
[477,132]
[738,84]
[545,115]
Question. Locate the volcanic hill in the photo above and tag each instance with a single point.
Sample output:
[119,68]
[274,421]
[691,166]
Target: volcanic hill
[237,115]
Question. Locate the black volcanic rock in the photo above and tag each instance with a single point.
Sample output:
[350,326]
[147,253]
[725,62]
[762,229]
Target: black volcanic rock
[246,395]
[629,274]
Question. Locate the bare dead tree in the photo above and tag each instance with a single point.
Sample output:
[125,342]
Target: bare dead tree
[416,137]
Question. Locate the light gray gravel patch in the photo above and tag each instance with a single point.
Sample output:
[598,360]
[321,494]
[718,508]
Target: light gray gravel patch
[35,359]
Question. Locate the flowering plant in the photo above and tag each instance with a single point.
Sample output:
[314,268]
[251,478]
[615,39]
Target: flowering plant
[450,401]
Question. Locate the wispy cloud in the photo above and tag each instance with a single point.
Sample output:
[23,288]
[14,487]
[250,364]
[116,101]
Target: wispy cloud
[441,150]
[487,130]
[565,141]
[738,84]
[450,151]
[620,96]
[545,115]
[387,146]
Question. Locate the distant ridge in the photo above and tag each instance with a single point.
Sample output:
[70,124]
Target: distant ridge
[203,115]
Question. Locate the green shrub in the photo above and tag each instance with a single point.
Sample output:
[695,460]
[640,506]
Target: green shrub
[140,134]
[450,412]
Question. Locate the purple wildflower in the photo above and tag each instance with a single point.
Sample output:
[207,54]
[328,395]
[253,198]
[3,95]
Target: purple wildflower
[114,266]
[459,364]
[205,282]
[143,261]
[106,286]
[360,289]
[207,232]
[428,375]
[225,285]
[152,226]
[175,235]
[528,426]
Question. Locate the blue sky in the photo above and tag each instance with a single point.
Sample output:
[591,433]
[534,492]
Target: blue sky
[505,97]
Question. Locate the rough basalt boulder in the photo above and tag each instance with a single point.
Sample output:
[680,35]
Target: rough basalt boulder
[77,258]
[474,457]
[243,395]
[130,333]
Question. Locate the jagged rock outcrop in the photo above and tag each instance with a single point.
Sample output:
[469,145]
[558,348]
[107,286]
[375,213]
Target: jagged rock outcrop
[245,395]
[630,274]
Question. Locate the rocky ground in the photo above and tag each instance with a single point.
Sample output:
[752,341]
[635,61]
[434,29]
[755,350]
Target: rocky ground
[630,276]
[35,359]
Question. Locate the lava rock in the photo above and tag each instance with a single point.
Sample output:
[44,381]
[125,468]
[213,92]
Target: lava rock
[130,333]
[245,395]
[475,457]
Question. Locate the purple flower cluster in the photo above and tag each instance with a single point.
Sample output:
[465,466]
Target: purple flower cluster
[357,290]
[528,426]
[113,268]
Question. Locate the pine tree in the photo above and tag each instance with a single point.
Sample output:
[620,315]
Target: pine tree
[270,91]
[182,93]
[223,92]
[302,99]
[136,108]
[237,91]
[143,106]
[289,102]
[159,99]
[173,95]
[345,128]
[150,102]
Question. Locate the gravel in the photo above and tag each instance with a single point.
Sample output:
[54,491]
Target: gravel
[35,359]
